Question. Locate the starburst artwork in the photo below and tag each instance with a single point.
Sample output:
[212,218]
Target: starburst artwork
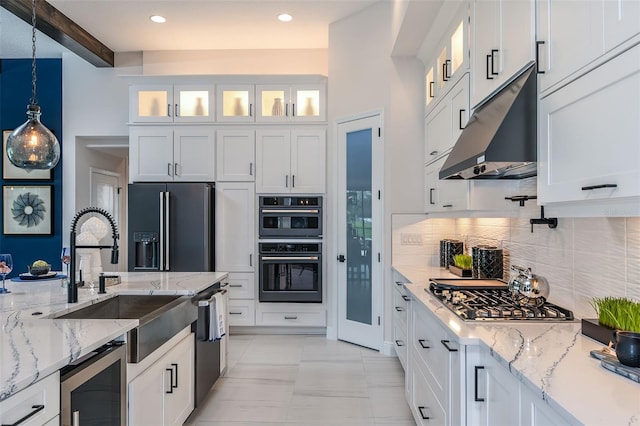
[27,210]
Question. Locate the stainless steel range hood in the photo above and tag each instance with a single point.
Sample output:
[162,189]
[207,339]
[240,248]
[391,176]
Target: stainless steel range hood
[499,142]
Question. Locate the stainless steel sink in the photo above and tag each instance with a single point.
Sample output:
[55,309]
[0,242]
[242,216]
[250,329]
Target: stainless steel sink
[160,318]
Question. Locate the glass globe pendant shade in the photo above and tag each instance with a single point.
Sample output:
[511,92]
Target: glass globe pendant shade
[32,146]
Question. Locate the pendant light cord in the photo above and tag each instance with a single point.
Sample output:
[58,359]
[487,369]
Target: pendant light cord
[34,99]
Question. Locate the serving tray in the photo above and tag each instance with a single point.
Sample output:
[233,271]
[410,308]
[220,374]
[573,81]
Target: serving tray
[29,276]
[610,362]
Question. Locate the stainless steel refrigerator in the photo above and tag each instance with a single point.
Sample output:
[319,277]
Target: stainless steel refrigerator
[171,227]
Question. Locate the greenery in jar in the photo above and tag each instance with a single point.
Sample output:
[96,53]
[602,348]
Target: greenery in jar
[618,312]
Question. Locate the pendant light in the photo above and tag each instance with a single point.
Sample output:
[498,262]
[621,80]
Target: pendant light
[33,146]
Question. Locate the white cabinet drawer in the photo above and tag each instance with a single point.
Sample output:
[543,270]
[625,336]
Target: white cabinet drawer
[311,319]
[241,285]
[44,393]
[400,344]
[426,408]
[242,312]
[400,309]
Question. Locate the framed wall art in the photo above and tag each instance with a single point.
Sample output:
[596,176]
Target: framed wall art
[27,210]
[9,171]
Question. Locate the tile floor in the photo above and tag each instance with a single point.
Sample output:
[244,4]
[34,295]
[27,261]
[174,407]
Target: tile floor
[305,380]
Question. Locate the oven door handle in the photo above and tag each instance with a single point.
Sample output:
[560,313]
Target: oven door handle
[313,211]
[289,258]
[206,302]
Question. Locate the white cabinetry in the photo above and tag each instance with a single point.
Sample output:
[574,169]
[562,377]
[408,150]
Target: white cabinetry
[41,398]
[574,34]
[291,161]
[181,154]
[235,103]
[493,394]
[535,411]
[436,370]
[282,103]
[400,322]
[502,43]
[589,131]
[235,155]
[235,247]
[163,394]
[166,103]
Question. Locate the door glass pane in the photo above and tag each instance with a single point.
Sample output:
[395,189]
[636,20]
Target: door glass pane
[98,400]
[308,103]
[152,103]
[359,295]
[235,103]
[457,48]
[194,103]
[273,103]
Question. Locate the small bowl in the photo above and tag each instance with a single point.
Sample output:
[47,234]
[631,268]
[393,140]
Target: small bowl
[39,270]
[628,348]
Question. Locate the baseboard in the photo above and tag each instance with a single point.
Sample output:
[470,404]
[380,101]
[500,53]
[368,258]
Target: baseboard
[389,349]
[237,330]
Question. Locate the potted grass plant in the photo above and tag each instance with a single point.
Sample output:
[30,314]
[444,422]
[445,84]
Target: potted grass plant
[461,265]
[618,322]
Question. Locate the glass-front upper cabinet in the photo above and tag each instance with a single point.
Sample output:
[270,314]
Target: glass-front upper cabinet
[453,58]
[168,103]
[281,103]
[235,103]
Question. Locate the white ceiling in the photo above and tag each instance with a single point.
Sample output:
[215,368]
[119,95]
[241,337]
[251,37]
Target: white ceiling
[124,26]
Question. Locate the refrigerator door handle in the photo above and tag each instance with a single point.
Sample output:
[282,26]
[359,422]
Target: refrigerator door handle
[167,230]
[161,262]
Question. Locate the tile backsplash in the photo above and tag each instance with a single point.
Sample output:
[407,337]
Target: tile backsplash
[582,258]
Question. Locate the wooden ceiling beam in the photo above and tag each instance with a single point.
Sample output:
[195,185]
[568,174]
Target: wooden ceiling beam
[56,25]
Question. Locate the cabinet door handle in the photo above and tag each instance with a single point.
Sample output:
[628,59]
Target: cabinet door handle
[175,169]
[250,169]
[168,110]
[250,110]
[460,119]
[170,370]
[448,205]
[176,366]
[445,343]
[475,396]
[606,185]
[493,52]
[447,62]
[399,343]
[286,110]
[489,77]
[538,43]
[435,152]
[431,195]
[422,343]
[286,181]
[235,313]
[444,71]
[292,317]
[169,169]
[406,298]
[422,414]
[235,285]
[35,409]
[293,181]
[176,108]
[431,83]
[250,259]
[399,309]
[293,110]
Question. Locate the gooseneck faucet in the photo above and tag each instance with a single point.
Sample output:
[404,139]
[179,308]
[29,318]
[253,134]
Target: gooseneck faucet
[72,289]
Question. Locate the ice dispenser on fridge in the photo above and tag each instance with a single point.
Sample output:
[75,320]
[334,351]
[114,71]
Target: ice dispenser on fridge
[146,251]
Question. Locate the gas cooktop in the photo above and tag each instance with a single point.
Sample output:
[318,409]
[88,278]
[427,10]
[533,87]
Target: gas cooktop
[473,299]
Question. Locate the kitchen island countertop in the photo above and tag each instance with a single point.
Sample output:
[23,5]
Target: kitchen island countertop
[34,345]
[551,359]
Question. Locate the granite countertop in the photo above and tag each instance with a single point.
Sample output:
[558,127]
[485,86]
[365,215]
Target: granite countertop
[34,345]
[552,359]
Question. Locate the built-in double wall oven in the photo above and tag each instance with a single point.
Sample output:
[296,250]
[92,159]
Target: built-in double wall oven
[290,249]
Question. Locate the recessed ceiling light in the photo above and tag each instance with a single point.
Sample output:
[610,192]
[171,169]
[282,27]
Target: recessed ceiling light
[158,19]
[285,17]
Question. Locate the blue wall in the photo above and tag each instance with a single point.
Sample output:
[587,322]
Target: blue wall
[15,94]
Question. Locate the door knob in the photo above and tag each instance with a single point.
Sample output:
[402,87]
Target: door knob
[341,258]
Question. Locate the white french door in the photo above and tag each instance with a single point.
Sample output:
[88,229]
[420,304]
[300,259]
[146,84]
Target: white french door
[360,226]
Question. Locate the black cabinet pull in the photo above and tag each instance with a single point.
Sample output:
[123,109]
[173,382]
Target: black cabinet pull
[36,409]
[447,62]
[448,205]
[170,370]
[460,119]
[538,43]
[406,298]
[475,396]
[422,414]
[489,77]
[399,283]
[176,366]
[445,343]
[399,309]
[606,185]
[422,342]
[235,313]
[435,152]
[444,71]
[493,52]
[292,317]
[431,83]
[431,195]
[399,343]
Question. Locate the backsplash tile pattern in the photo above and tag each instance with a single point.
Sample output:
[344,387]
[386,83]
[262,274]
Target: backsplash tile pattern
[582,258]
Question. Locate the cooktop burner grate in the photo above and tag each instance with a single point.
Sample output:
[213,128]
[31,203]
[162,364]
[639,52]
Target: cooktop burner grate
[494,304]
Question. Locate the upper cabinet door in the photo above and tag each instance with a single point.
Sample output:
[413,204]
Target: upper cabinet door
[273,155]
[309,102]
[273,103]
[151,154]
[194,154]
[151,103]
[308,153]
[621,21]
[193,104]
[235,155]
[235,103]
